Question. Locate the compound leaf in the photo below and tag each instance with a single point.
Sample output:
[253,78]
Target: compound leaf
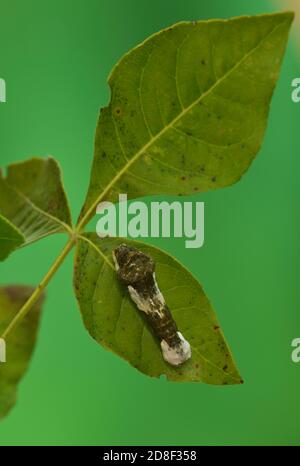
[189,108]
[113,320]
[19,345]
[33,203]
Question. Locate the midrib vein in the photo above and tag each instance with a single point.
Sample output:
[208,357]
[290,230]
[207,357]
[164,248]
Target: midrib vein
[130,162]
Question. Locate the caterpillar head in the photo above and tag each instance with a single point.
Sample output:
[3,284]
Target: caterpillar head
[132,266]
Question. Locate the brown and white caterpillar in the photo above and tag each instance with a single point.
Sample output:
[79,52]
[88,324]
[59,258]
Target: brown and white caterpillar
[136,270]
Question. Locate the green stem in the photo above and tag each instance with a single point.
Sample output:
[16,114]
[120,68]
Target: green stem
[39,290]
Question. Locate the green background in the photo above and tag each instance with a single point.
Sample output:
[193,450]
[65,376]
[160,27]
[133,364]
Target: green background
[55,57]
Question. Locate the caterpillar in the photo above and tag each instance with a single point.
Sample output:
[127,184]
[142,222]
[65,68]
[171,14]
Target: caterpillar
[136,270]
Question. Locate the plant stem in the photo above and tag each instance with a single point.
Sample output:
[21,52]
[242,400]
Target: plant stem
[39,290]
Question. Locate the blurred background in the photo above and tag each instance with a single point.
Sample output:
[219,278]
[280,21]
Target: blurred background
[55,57]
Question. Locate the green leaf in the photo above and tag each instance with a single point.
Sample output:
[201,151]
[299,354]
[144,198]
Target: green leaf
[33,203]
[189,108]
[19,345]
[113,320]
[10,238]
